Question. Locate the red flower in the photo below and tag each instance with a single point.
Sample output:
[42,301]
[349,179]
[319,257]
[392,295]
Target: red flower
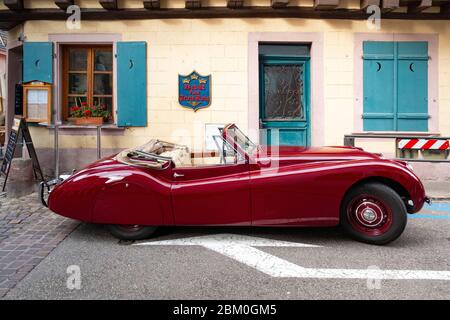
[103,106]
[74,108]
[87,113]
[84,103]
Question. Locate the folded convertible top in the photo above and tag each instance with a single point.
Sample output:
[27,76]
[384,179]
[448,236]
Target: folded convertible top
[155,154]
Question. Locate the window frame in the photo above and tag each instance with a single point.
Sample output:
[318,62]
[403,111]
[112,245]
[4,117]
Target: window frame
[90,75]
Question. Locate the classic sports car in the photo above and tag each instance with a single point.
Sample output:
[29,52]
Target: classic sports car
[242,184]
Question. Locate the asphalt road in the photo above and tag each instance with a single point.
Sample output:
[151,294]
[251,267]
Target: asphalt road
[113,270]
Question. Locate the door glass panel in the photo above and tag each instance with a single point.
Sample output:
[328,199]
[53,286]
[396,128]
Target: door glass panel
[78,59]
[103,84]
[77,83]
[283,91]
[103,60]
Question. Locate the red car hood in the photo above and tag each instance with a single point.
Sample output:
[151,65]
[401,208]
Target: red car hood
[290,153]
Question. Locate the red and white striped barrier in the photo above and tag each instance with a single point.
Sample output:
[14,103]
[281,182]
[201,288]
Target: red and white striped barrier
[423,144]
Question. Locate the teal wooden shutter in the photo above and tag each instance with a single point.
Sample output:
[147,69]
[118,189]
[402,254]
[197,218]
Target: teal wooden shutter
[379,107]
[412,111]
[38,61]
[132,84]
[395,86]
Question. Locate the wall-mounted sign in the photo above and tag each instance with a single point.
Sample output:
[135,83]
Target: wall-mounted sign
[194,91]
[37,102]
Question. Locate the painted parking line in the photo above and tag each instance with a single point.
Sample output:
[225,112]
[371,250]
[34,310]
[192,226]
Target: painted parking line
[438,207]
[242,249]
[428,216]
[433,211]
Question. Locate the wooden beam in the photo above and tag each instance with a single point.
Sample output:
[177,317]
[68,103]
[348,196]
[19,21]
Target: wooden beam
[419,6]
[152,4]
[234,4]
[445,8]
[10,19]
[326,4]
[64,4]
[390,5]
[367,3]
[109,4]
[279,3]
[14,4]
[193,4]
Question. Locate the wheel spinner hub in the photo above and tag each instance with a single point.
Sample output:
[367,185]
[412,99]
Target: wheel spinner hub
[370,215]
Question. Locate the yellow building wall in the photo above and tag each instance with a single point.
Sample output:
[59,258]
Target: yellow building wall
[220,47]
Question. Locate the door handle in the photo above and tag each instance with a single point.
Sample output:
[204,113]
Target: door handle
[178,175]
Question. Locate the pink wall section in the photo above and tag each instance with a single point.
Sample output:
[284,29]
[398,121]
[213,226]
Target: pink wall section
[2,62]
[3,81]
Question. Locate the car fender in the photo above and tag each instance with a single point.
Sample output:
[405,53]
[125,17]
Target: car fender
[119,194]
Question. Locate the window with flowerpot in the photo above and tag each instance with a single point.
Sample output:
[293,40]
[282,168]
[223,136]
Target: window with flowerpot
[87,84]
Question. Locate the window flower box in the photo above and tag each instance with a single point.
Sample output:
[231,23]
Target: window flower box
[88,121]
[88,115]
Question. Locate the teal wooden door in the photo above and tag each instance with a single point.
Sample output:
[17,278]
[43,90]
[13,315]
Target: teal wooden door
[284,100]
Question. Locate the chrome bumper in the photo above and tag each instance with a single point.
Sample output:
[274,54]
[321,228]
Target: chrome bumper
[45,188]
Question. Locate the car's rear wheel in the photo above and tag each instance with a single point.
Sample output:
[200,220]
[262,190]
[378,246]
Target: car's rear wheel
[131,232]
[373,213]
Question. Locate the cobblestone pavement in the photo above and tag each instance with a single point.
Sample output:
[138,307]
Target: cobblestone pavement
[28,233]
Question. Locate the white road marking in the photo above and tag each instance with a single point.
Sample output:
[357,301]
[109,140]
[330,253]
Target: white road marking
[240,248]
[225,239]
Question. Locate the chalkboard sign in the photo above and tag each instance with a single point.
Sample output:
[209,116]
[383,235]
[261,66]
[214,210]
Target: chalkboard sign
[19,133]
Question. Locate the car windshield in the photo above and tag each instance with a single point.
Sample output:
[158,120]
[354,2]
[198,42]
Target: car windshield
[240,139]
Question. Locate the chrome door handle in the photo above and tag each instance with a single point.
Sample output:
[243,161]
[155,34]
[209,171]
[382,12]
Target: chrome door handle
[178,175]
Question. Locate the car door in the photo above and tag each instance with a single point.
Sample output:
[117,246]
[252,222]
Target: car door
[302,194]
[212,195]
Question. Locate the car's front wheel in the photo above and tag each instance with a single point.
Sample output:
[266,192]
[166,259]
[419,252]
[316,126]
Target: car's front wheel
[131,232]
[373,213]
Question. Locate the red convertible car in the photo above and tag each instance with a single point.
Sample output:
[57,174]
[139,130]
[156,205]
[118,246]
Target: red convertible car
[242,184]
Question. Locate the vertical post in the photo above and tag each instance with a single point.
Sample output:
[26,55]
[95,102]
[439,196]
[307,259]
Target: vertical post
[56,148]
[99,142]
[349,141]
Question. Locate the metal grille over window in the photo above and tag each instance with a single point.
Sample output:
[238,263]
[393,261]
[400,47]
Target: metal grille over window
[283,89]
